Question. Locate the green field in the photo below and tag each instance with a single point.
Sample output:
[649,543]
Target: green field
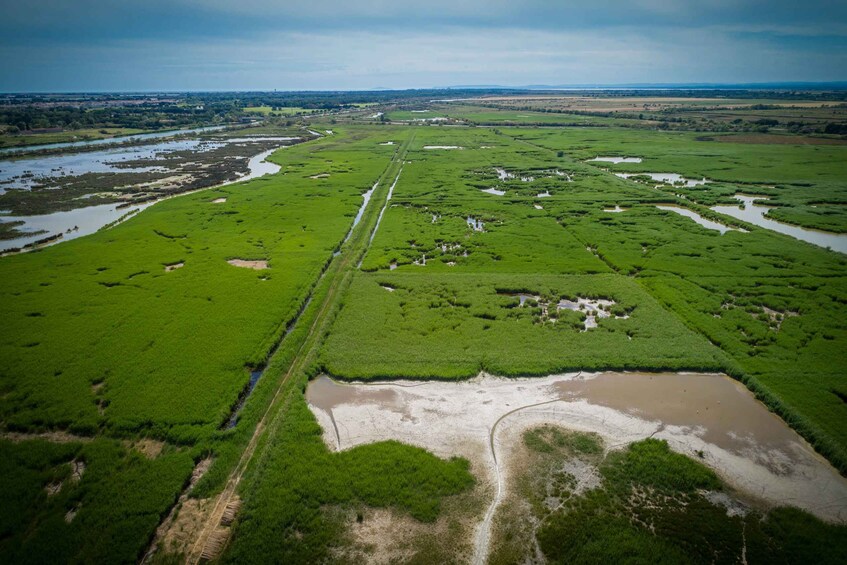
[442,281]
[195,331]
[483,115]
[104,515]
[143,352]
[449,318]
[805,182]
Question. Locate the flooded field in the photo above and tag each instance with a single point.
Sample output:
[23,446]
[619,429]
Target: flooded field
[754,213]
[108,140]
[69,225]
[666,178]
[51,171]
[705,416]
[78,222]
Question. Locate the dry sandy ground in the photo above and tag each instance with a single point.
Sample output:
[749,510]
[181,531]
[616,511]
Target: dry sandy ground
[256,265]
[749,447]
[179,529]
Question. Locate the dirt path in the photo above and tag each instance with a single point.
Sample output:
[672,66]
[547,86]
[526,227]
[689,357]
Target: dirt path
[482,541]
[214,535]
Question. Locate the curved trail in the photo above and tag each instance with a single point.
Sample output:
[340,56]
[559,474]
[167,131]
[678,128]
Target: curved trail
[482,543]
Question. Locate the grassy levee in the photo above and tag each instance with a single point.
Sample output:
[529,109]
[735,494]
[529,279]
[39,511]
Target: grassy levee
[9,140]
[294,352]
[288,368]
[298,496]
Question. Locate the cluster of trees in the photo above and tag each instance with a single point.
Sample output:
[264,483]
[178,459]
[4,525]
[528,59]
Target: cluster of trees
[27,117]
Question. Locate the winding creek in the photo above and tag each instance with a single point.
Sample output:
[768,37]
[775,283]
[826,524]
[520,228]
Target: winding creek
[705,416]
[708,224]
[754,213]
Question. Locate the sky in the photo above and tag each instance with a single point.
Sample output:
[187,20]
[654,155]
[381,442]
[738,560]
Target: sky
[178,45]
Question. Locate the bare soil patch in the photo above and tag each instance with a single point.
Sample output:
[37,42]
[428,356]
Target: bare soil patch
[257,265]
[176,534]
[151,448]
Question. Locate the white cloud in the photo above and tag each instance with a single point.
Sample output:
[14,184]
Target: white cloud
[349,59]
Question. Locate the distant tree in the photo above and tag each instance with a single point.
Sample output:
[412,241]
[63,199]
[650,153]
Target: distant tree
[560,153]
[835,128]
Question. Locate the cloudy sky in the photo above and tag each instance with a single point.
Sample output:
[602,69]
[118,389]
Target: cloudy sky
[88,45]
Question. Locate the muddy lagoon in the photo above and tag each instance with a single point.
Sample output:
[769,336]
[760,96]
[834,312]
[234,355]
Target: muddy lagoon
[709,417]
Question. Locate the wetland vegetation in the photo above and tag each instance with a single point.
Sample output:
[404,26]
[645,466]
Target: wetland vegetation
[153,380]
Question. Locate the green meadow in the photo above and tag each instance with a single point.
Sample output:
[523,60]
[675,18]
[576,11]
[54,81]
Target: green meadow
[761,306]
[146,330]
[474,246]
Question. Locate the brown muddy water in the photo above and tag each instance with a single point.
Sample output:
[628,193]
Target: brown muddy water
[708,417]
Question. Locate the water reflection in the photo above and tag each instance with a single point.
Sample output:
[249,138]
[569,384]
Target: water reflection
[756,214]
[84,221]
[108,140]
[709,224]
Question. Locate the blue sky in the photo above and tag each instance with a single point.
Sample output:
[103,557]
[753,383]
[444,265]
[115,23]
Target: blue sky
[75,45]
